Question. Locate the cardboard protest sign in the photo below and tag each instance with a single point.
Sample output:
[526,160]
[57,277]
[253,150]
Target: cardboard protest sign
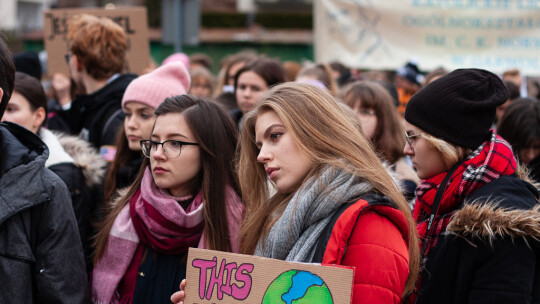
[132,19]
[222,277]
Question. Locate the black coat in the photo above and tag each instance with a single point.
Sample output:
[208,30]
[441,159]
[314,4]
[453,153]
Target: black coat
[41,257]
[488,254]
[96,117]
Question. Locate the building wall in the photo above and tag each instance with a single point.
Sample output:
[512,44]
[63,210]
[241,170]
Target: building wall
[8,14]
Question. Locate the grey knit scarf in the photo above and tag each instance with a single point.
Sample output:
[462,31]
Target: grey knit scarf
[295,234]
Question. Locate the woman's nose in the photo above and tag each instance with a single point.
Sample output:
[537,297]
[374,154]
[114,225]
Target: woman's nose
[264,156]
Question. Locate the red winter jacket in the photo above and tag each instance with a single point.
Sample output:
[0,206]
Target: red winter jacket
[372,237]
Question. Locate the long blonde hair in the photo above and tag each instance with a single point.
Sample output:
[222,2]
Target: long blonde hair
[320,128]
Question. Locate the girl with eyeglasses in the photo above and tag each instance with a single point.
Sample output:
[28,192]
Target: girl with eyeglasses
[185,195]
[383,127]
[477,216]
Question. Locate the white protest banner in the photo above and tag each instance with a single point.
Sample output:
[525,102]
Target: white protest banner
[132,19]
[496,35]
[222,277]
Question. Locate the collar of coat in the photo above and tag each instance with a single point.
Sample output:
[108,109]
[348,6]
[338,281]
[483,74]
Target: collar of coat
[501,214]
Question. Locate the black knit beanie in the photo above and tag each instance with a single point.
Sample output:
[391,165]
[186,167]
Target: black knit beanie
[458,107]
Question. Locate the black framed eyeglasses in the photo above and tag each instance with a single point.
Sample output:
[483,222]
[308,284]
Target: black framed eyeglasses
[67,57]
[409,137]
[171,148]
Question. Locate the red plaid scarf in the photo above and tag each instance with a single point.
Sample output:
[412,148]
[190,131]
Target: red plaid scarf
[491,160]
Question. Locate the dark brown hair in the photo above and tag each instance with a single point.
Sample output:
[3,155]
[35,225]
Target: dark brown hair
[7,75]
[388,138]
[31,89]
[271,70]
[216,134]
[123,156]
[520,124]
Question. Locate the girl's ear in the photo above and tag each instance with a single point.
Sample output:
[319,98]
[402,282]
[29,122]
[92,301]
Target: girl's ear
[39,118]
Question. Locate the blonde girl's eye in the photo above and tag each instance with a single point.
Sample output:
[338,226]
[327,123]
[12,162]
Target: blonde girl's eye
[275,136]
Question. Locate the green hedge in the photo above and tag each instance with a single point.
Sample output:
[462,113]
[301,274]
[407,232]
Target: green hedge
[220,20]
[266,20]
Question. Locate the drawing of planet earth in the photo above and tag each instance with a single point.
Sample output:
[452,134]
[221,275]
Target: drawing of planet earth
[297,287]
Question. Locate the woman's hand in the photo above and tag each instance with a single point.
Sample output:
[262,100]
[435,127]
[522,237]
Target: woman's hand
[178,297]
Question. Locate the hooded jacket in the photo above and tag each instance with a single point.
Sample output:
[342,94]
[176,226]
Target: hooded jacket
[41,257]
[490,252]
[96,117]
[82,169]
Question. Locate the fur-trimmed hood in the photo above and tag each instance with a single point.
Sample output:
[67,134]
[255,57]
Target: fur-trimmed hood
[489,221]
[508,206]
[85,157]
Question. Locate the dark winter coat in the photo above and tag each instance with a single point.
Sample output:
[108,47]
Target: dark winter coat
[96,117]
[534,167]
[488,253]
[82,169]
[41,257]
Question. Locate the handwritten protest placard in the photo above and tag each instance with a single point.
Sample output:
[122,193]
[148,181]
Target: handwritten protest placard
[492,34]
[132,19]
[221,277]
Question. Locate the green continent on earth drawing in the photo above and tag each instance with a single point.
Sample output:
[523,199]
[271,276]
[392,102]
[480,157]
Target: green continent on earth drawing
[297,287]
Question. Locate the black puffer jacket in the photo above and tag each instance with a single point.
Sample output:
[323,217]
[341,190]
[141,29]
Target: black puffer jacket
[41,257]
[96,117]
[490,252]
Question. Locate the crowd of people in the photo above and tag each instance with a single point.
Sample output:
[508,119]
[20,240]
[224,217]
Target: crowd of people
[428,183]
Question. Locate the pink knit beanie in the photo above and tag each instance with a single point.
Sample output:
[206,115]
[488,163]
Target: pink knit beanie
[151,89]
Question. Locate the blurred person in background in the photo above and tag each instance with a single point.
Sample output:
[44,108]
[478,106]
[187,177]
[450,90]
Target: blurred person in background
[199,60]
[253,80]
[224,93]
[142,97]
[520,126]
[514,76]
[203,83]
[96,64]
[513,91]
[231,65]
[318,74]
[342,74]
[291,69]
[434,75]
[383,128]
[408,79]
